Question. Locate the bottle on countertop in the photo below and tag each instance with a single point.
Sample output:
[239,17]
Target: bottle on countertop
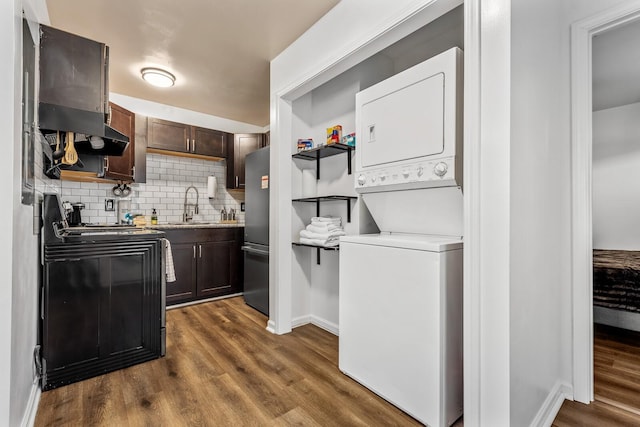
[223,214]
[154,217]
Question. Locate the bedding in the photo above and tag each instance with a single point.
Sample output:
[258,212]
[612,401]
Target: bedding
[616,279]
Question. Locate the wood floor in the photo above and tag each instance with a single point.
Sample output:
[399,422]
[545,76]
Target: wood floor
[224,369]
[616,357]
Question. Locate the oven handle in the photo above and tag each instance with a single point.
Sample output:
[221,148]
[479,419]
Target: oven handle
[251,250]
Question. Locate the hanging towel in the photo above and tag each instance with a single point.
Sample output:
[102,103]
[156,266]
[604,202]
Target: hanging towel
[169,268]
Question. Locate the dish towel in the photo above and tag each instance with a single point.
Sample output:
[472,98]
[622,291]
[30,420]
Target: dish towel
[169,269]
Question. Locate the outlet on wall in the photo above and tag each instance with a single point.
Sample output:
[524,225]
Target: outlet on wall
[241,206]
[109,205]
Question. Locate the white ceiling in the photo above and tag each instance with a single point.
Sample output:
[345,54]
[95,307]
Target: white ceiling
[616,67]
[219,50]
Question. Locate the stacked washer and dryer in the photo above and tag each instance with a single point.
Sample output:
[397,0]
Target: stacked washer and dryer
[400,303]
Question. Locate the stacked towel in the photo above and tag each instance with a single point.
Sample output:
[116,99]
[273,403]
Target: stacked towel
[323,231]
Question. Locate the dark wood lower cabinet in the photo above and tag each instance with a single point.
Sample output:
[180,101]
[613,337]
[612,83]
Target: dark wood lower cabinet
[207,263]
[184,262]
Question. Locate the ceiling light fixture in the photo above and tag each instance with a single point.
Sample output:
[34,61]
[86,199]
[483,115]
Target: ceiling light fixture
[158,77]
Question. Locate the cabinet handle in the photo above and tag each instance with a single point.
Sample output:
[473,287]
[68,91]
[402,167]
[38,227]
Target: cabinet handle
[237,181]
[106,163]
[193,146]
[188,144]
[200,250]
[194,251]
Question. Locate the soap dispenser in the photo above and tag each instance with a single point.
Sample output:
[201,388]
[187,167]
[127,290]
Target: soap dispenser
[154,217]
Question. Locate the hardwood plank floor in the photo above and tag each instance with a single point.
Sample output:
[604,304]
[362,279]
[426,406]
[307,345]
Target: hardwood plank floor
[224,369]
[616,355]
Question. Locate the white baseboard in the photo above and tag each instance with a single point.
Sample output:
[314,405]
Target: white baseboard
[299,321]
[271,326]
[317,321]
[29,417]
[551,406]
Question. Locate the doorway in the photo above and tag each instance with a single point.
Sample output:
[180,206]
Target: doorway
[582,36]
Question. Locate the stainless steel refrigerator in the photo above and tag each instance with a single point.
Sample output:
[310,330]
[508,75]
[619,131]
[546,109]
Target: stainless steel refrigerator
[256,230]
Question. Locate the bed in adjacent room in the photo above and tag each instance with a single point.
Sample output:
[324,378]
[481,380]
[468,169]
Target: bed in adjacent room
[616,288]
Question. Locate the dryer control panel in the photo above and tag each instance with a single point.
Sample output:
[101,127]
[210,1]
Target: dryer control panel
[422,174]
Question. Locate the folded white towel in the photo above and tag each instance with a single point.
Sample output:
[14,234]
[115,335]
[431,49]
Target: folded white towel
[333,219]
[325,229]
[317,242]
[169,269]
[311,235]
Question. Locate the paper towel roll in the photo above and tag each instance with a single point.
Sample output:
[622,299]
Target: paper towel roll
[212,186]
[309,183]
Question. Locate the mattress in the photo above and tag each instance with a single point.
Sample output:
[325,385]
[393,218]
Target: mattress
[616,279]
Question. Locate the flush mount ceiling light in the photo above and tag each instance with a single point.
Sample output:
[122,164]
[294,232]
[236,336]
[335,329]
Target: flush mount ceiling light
[158,77]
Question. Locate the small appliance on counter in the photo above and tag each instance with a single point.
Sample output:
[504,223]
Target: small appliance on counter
[103,297]
[74,217]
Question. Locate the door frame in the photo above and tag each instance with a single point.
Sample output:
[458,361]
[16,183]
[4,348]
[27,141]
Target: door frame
[582,33]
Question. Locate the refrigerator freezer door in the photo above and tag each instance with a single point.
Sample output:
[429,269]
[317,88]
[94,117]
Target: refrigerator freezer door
[256,276]
[256,227]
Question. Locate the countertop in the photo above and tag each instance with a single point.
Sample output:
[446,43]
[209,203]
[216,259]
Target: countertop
[193,225]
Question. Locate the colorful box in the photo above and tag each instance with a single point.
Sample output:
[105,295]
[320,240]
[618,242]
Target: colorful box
[305,144]
[334,134]
[349,140]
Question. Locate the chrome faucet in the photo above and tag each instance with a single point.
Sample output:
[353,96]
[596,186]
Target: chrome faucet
[186,215]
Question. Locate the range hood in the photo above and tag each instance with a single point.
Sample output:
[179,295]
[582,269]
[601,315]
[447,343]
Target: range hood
[74,90]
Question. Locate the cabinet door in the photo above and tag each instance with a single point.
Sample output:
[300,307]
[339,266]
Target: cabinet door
[166,135]
[243,144]
[208,142]
[184,262]
[72,306]
[214,268]
[121,167]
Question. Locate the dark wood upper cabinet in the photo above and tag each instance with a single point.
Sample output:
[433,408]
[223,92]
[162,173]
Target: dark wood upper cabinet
[166,135]
[121,168]
[208,142]
[181,138]
[243,144]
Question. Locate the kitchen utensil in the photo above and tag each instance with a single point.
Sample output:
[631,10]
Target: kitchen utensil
[116,190]
[70,153]
[59,153]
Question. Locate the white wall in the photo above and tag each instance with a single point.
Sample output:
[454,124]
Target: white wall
[540,207]
[19,296]
[616,178]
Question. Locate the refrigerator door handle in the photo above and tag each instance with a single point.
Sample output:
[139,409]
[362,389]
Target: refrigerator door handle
[251,250]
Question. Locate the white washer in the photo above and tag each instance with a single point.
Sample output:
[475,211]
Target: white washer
[401,321]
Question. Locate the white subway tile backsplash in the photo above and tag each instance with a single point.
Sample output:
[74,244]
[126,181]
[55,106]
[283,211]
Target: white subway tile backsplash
[167,179]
